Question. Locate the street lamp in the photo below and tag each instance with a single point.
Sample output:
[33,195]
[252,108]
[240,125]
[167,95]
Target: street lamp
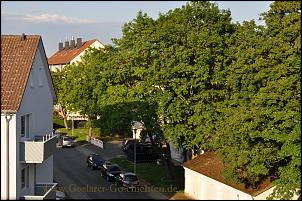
[137,128]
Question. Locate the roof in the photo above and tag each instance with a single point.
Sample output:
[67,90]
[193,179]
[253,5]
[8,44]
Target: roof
[129,174]
[66,56]
[17,57]
[210,165]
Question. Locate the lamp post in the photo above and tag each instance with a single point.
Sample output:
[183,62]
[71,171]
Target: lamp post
[135,130]
[137,127]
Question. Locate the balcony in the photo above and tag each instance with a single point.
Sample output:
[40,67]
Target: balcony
[43,191]
[37,150]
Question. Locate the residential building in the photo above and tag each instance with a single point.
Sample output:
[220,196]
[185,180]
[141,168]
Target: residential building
[27,97]
[203,181]
[71,52]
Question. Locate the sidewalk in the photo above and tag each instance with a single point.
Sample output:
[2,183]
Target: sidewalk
[112,149]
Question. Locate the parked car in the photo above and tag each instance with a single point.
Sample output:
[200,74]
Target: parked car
[128,143]
[67,141]
[60,195]
[95,161]
[110,171]
[128,180]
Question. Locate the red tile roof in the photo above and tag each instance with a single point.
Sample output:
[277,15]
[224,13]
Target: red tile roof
[210,165]
[17,57]
[65,56]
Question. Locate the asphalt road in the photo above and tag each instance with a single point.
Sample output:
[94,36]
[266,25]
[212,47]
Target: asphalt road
[80,182]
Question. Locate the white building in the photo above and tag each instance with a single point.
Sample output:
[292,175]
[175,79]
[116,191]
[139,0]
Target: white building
[27,97]
[203,181]
[71,52]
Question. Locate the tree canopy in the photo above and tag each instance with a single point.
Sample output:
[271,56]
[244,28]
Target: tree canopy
[204,82]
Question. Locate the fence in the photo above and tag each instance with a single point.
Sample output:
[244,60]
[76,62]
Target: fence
[97,142]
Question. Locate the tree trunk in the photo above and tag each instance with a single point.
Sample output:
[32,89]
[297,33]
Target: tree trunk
[63,114]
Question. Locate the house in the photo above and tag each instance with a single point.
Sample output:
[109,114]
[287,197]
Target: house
[27,97]
[70,53]
[203,181]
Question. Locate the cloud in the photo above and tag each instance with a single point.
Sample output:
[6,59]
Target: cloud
[46,18]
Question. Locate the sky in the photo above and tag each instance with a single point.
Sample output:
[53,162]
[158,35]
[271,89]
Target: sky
[102,20]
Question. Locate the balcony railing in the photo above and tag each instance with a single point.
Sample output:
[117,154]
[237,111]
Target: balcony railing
[43,191]
[37,150]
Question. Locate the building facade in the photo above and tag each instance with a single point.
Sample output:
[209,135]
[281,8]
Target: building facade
[27,97]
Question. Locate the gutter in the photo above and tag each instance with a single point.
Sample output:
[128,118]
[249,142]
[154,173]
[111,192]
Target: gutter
[7,112]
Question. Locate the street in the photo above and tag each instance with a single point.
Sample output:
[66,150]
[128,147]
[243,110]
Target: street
[80,182]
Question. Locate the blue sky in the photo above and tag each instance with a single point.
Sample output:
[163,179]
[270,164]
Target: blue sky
[103,20]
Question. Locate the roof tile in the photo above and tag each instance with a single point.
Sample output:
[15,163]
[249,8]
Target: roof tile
[17,57]
[65,56]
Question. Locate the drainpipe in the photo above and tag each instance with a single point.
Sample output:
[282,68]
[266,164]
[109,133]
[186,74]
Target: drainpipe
[7,150]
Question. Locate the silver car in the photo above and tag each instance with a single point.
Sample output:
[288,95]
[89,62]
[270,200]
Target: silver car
[67,141]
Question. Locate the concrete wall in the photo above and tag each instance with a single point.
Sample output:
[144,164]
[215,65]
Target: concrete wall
[45,171]
[204,188]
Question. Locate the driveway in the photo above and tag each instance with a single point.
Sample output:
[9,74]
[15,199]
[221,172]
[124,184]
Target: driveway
[80,182]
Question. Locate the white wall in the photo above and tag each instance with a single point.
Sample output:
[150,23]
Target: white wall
[13,160]
[204,188]
[37,101]
[96,45]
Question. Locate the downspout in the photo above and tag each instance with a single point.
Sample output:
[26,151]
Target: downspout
[7,151]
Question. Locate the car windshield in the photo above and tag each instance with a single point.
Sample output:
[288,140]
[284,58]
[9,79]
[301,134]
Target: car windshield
[114,168]
[67,139]
[97,158]
[131,178]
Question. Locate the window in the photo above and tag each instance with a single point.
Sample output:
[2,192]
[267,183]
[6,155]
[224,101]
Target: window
[40,83]
[25,178]
[25,125]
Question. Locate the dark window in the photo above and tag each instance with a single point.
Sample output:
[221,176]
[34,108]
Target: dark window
[22,126]
[25,125]
[23,178]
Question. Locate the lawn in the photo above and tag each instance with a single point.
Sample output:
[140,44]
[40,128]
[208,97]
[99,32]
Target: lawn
[153,173]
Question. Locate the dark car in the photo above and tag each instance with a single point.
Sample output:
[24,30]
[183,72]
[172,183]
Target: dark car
[127,180]
[95,161]
[128,143]
[110,171]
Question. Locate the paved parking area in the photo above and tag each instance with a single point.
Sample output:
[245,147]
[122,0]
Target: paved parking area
[80,182]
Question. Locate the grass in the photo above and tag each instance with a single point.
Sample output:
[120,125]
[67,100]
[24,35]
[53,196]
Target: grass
[153,173]
[80,134]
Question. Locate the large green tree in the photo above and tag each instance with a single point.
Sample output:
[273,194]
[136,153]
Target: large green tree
[259,133]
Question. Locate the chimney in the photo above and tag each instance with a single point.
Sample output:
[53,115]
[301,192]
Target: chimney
[72,43]
[60,45]
[23,37]
[79,42]
[66,45]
